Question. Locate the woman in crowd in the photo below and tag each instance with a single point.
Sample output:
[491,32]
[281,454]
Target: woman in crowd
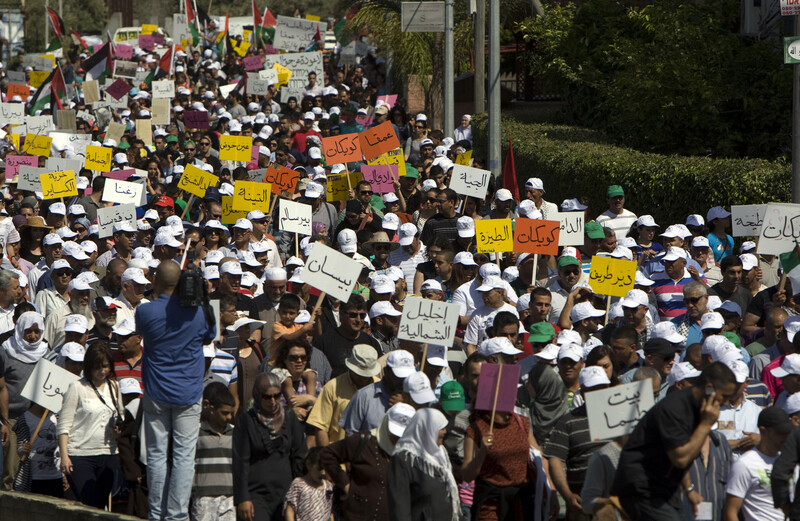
[31,235]
[601,357]
[412,148]
[291,363]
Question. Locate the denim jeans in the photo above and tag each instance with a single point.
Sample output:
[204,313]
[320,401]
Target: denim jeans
[93,477]
[169,494]
[644,509]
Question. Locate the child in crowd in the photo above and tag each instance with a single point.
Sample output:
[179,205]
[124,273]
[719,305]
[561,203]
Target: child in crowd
[286,328]
[310,497]
[43,475]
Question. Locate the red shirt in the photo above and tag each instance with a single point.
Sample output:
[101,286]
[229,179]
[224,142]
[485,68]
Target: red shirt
[124,370]
[299,139]
[772,382]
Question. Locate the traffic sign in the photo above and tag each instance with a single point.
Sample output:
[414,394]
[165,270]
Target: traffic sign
[791,50]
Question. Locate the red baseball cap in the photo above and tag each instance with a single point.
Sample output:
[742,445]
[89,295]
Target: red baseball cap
[165,201]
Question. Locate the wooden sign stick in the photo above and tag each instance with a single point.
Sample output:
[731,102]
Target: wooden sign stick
[608,308]
[35,433]
[496,392]
[296,245]
[188,204]
[535,268]
[424,357]
[319,303]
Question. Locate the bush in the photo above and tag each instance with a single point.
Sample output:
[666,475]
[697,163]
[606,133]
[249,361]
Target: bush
[576,162]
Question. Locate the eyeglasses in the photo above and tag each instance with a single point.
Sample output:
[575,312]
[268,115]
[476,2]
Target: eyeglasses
[354,314]
[189,149]
[571,271]
[692,300]
[276,396]
[297,358]
[205,144]
[366,192]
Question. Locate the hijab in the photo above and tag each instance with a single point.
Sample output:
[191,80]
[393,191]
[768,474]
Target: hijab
[18,347]
[272,420]
[550,402]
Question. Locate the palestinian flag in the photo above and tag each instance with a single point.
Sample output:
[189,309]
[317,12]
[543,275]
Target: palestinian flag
[790,262]
[79,40]
[56,23]
[224,44]
[99,65]
[163,70]
[312,46]
[256,24]
[52,91]
[202,17]
[191,21]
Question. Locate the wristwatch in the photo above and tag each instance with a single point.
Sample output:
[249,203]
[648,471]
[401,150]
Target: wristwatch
[690,489]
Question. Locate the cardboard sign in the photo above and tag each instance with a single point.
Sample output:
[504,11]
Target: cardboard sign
[15,89]
[224,90]
[615,411]
[281,179]
[123,51]
[149,28]
[747,219]
[536,236]
[163,89]
[115,131]
[144,131]
[464,159]
[161,112]
[55,164]
[197,119]
[257,86]
[122,192]
[780,230]
[13,163]
[125,69]
[428,321]
[91,91]
[65,120]
[389,99]
[341,149]
[37,145]
[258,175]
[248,196]
[301,64]
[469,181]
[196,181]
[253,63]
[331,271]
[118,89]
[378,140]
[122,175]
[507,392]
[147,42]
[12,114]
[229,215]
[571,230]
[284,75]
[29,178]
[381,177]
[337,189]
[58,184]
[47,385]
[294,217]
[790,8]
[269,75]
[610,276]
[396,158]
[294,34]
[494,235]
[108,217]
[235,148]
[98,158]
[39,124]
[38,77]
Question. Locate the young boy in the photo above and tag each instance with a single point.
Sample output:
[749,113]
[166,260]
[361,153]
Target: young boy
[212,490]
[286,328]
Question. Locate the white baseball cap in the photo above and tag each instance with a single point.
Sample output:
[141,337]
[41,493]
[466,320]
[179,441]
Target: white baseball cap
[791,326]
[572,351]
[129,386]
[646,220]
[437,355]
[165,237]
[674,254]
[593,376]
[717,212]
[695,220]
[739,369]
[534,183]
[504,194]
[406,234]
[583,311]
[464,258]
[401,362]
[549,352]
[76,324]
[136,275]
[568,336]
[382,284]
[622,252]
[125,327]
[668,332]
[74,351]
[572,205]
[491,282]
[231,268]
[498,345]
[384,307]
[749,261]
[700,242]
[680,372]
[398,417]
[792,404]
[712,343]
[712,320]
[418,386]
[390,222]
[466,227]
[635,298]
[348,242]
[431,285]
[314,190]
[790,365]
[672,231]
[78,285]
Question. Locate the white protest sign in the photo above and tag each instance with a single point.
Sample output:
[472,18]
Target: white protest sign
[226,89]
[56,164]
[780,230]
[747,219]
[471,182]
[12,113]
[269,75]
[301,64]
[122,192]
[331,271]
[257,86]
[294,217]
[257,176]
[107,217]
[39,125]
[790,7]
[615,411]
[428,321]
[78,142]
[29,178]
[164,89]
[571,233]
[47,385]
[294,34]
[161,112]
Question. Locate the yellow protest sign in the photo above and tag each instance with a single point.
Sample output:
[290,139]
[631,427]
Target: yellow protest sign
[196,181]
[246,34]
[250,195]
[610,276]
[464,159]
[229,215]
[15,140]
[337,186]
[58,184]
[149,28]
[98,158]
[235,148]
[284,74]
[38,77]
[312,17]
[494,235]
[37,145]
[380,160]
[50,57]
[241,48]
[396,157]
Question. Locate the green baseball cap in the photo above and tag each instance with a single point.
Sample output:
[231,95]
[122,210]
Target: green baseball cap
[452,396]
[541,332]
[734,338]
[615,191]
[123,145]
[172,139]
[411,172]
[568,260]
[594,230]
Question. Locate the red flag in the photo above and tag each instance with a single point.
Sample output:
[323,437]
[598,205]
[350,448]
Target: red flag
[56,22]
[165,63]
[79,40]
[189,12]
[256,16]
[269,20]
[509,174]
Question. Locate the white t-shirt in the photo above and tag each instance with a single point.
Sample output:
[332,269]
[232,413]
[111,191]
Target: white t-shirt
[620,224]
[476,328]
[750,479]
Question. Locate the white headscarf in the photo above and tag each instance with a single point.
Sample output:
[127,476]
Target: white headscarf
[16,345]
[419,440]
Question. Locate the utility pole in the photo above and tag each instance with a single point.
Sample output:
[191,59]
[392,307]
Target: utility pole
[479,78]
[494,87]
[46,16]
[796,122]
[449,69]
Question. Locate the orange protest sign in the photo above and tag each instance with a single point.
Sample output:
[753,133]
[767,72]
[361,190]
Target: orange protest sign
[281,178]
[341,149]
[15,89]
[378,140]
[536,236]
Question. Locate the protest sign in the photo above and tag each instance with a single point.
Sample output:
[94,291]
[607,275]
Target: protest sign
[294,34]
[144,131]
[269,75]
[255,85]
[78,142]
[38,77]
[536,236]
[337,187]
[17,77]
[331,271]
[115,131]
[108,217]
[147,42]
[122,192]
[13,163]
[65,120]
[118,89]
[196,181]
[123,51]
[395,157]
[161,111]
[301,64]
[494,235]
[469,181]
[428,321]
[490,395]
[197,119]
[112,104]
[58,184]
[15,89]
[37,145]
[257,176]
[235,148]
[341,149]
[54,164]
[464,158]
[747,219]
[91,91]
[253,63]
[281,178]
[38,124]
[378,140]
[12,114]
[163,89]
[125,69]
[381,177]
[615,411]
[224,90]
[229,215]
[47,385]
[149,28]
[28,178]
[571,230]
[780,230]
[294,217]
[98,158]
[610,276]
[248,196]
[284,75]
[121,175]
[389,99]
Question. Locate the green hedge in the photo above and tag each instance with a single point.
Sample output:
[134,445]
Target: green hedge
[576,162]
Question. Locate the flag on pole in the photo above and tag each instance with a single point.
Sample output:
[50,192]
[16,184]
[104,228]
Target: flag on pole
[79,40]
[99,65]
[509,173]
[314,43]
[56,23]
[53,91]
[224,45]
[256,24]
[191,21]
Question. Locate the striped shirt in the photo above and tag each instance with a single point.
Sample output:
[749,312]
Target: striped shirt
[571,443]
[224,366]
[669,294]
[213,462]
[123,369]
[710,478]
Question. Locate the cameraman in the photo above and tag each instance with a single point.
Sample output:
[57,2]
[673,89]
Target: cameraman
[172,373]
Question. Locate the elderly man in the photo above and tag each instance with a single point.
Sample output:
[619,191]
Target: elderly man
[266,304]
[134,285]
[534,190]
[569,273]
[78,303]
[38,276]
[166,247]
[669,283]
[50,299]
[11,294]
[635,307]
[321,211]
[104,310]
[695,300]
[230,280]
[259,236]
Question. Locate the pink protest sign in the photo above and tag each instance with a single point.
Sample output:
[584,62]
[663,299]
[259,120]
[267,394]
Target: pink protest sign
[364,120]
[269,49]
[253,63]
[118,89]
[253,164]
[159,39]
[120,175]
[381,177]
[123,51]
[487,384]
[389,99]
[195,119]
[13,162]
[147,42]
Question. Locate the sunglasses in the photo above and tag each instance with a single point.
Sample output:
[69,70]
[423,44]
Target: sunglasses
[205,144]
[573,271]
[297,358]
[276,396]
[211,231]
[354,314]
[189,149]
[420,126]
[366,192]
[62,273]
[692,300]
[381,247]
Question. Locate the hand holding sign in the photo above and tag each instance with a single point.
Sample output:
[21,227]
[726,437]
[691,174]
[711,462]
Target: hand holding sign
[472,182]
[381,177]
[47,385]
[497,389]
[281,179]
[615,411]
[294,217]
[196,181]
[536,236]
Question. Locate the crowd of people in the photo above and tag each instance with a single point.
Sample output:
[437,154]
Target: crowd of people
[275,401]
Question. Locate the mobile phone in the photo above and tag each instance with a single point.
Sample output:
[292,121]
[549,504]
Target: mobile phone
[710,390]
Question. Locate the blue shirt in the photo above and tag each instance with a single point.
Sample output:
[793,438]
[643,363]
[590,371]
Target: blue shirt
[366,409]
[173,336]
[721,249]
